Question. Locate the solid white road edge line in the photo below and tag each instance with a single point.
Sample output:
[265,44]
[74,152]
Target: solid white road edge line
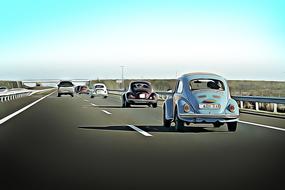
[140,131]
[261,125]
[3,120]
[106,112]
[93,104]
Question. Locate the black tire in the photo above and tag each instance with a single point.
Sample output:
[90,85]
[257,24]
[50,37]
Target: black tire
[105,96]
[71,95]
[58,95]
[179,124]
[166,122]
[91,96]
[125,104]
[154,105]
[216,125]
[232,126]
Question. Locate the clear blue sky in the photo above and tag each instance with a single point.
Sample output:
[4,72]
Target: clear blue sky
[239,39]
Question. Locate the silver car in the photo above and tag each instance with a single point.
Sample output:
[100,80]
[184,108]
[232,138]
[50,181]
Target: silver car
[65,88]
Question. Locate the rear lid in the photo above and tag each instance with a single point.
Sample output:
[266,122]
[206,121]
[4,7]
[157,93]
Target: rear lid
[209,96]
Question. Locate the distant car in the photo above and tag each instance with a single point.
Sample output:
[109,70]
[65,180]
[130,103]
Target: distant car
[99,89]
[3,89]
[77,88]
[84,90]
[201,98]
[65,88]
[139,93]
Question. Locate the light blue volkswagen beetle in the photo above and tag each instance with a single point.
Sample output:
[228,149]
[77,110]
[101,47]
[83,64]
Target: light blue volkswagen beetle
[201,98]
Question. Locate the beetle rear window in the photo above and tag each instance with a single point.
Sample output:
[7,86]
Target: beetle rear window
[99,86]
[206,84]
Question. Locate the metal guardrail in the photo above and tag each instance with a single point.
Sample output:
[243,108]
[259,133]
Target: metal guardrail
[260,99]
[14,94]
[256,100]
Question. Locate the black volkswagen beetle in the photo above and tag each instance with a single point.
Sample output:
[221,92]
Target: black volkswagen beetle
[139,93]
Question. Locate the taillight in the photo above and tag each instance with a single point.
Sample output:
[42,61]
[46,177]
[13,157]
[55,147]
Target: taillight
[186,108]
[152,97]
[231,108]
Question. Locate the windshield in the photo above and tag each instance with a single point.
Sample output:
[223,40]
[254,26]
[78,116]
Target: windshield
[65,84]
[206,84]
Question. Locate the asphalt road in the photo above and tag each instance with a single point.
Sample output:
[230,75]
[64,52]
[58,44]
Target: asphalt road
[83,143]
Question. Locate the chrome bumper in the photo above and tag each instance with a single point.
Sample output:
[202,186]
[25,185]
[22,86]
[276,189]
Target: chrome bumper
[141,101]
[209,116]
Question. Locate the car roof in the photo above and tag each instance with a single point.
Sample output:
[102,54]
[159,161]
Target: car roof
[197,75]
[138,81]
[201,73]
[99,84]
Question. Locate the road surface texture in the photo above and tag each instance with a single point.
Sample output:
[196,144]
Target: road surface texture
[84,143]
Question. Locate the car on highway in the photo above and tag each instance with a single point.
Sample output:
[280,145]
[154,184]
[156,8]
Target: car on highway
[3,89]
[83,90]
[99,89]
[65,88]
[139,93]
[201,98]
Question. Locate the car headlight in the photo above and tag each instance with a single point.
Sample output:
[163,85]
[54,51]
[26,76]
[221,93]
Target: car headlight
[186,108]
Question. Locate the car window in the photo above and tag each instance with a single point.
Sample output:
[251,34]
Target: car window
[180,87]
[65,84]
[99,86]
[135,86]
[206,84]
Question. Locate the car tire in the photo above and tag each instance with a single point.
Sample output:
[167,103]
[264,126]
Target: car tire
[91,96]
[154,105]
[217,125]
[166,122]
[71,95]
[179,124]
[232,126]
[58,95]
[125,104]
[105,96]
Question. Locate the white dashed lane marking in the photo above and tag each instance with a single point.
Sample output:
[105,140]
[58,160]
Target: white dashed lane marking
[140,131]
[106,112]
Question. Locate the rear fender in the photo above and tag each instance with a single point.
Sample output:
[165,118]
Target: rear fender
[233,102]
[168,106]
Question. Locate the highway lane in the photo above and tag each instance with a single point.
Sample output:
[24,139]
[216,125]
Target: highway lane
[70,143]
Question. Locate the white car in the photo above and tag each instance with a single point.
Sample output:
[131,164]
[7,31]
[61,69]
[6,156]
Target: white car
[99,89]
[65,87]
[3,89]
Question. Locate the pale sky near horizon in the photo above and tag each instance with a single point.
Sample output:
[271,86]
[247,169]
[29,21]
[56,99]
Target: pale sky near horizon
[51,39]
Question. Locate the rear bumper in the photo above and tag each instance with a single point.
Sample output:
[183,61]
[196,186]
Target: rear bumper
[99,94]
[141,101]
[209,118]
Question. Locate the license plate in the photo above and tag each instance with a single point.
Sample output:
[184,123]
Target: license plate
[142,95]
[209,106]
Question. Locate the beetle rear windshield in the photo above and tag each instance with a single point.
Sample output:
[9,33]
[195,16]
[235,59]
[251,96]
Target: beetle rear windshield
[99,86]
[65,84]
[206,84]
[138,86]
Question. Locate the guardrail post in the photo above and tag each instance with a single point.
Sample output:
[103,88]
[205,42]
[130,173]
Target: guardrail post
[256,106]
[275,108]
[241,104]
